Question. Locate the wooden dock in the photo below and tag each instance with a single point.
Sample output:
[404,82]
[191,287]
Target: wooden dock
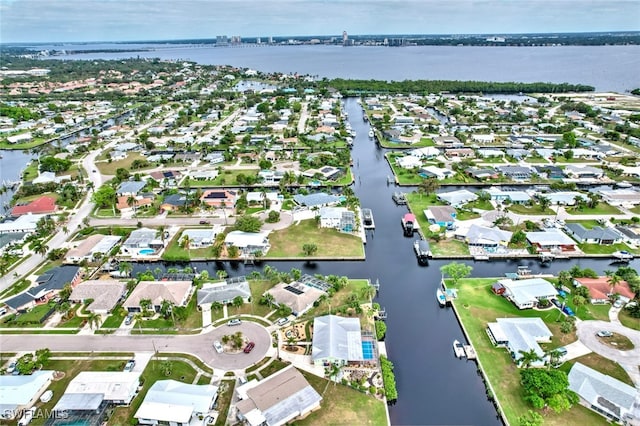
[470,352]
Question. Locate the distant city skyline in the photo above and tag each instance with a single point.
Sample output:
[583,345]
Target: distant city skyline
[30,21]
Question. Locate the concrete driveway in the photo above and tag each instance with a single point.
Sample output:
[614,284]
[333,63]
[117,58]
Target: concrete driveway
[629,360]
[200,345]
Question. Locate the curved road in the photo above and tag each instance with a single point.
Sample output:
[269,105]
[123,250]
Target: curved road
[200,345]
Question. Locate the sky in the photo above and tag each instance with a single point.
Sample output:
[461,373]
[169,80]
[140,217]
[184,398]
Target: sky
[137,20]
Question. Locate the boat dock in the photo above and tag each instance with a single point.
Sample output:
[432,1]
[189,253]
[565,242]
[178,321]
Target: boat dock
[469,352]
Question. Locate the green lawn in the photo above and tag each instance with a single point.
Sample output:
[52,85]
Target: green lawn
[180,371]
[601,364]
[107,168]
[477,306]
[466,215]
[449,248]
[588,223]
[331,243]
[225,394]
[606,249]
[342,405]
[115,319]
[529,210]
[31,318]
[31,171]
[628,321]
[601,208]
[477,204]
[174,252]
[636,209]
[228,177]
[418,203]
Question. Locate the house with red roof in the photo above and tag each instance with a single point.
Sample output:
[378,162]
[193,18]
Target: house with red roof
[600,289]
[43,205]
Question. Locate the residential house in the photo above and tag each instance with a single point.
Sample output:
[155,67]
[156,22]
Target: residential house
[425,153]
[459,153]
[319,199]
[176,403]
[512,196]
[140,239]
[92,248]
[47,286]
[601,291]
[258,197]
[485,237]
[219,198]
[595,235]
[520,335]
[551,240]
[223,292]
[339,218]
[483,138]
[550,172]
[324,173]
[436,172]
[299,295]
[200,238]
[457,198]
[26,223]
[563,198]
[621,197]
[630,234]
[583,172]
[515,172]
[203,175]
[336,340]
[270,177]
[40,206]
[215,157]
[441,215]
[175,292]
[448,141]
[482,173]
[104,294]
[518,153]
[603,394]
[249,242]
[408,162]
[166,178]
[528,292]
[276,400]
[130,188]
[173,202]
[49,177]
[490,153]
[19,393]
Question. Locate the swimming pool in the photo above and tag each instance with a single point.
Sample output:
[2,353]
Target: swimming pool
[146,251]
[367,349]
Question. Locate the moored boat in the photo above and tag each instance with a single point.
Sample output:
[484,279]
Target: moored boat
[422,249]
[367,219]
[458,349]
[371,134]
[442,299]
[409,224]
[622,255]
[399,198]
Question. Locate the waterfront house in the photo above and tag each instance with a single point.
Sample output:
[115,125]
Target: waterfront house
[408,162]
[325,173]
[482,138]
[601,291]
[105,294]
[249,242]
[200,238]
[482,173]
[603,394]
[595,235]
[140,239]
[448,141]
[630,234]
[520,335]
[166,178]
[25,223]
[176,403]
[488,238]
[276,400]
[459,153]
[215,157]
[551,240]
[550,172]
[219,197]
[528,292]
[299,296]
[435,172]
[562,198]
[457,198]
[48,285]
[92,248]
[513,196]
[21,392]
[583,172]
[175,292]
[515,172]
[41,205]
[490,153]
[203,175]
[424,153]
[319,199]
[223,292]
[441,215]
[621,197]
[336,340]
[339,218]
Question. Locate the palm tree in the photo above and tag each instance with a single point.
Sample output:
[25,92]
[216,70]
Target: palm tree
[138,319]
[594,199]
[94,319]
[268,299]
[544,203]
[39,247]
[291,341]
[368,292]
[554,357]
[185,243]
[145,304]
[131,202]
[125,268]
[221,274]
[528,358]
[613,279]
[263,194]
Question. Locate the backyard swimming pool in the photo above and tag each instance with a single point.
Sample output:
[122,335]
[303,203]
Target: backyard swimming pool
[146,251]
[367,349]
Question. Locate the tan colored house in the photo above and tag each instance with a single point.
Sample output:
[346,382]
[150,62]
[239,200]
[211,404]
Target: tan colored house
[175,292]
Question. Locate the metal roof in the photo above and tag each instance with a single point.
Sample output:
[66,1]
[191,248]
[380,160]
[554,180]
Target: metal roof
[337,337]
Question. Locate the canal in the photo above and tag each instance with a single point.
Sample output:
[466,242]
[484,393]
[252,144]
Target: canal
[434,387]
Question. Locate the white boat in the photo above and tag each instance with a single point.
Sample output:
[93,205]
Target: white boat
[367,219]
[399,198]
[623,184]
[442,299]
[622,255]
[371,134]
[458,349]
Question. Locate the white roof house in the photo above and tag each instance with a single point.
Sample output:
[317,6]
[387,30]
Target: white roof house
[457,198]
[604,394]
[437,172]
[520,335]
[89,388]
[24,223]
[21,392]
[408,162]
[277,399]
[91,246]
[336,340]
[426,152]
[483,236]
[224,291]
[175,403]
[249,242]
[199,237]
[526,293]
[140,238]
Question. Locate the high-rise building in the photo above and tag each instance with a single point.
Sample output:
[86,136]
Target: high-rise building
[222,40]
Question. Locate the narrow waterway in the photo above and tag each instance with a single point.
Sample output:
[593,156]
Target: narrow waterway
[433,386]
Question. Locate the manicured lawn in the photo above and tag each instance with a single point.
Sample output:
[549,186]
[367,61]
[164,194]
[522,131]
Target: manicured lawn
[115,319]
[588,224]
[273,367]
[339,301]
[31,318]
[418,203]
[229,177]
[636,209]
[330,242]
[449,248]
[530,210]
[258,287]
[601,208]
[174,252]
[605,249]
[193,321]
[225,394]
[482,205]
[491,160]
[601,364]
[466,215]
[180,371]
[16,288]
[31,171]
[342,405]
[628,321]
[477,306]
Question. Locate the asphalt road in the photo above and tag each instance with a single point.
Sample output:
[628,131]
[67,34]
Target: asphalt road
[200,345]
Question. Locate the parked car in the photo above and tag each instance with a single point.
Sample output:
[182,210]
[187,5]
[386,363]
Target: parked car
[604,333]
[12,367]
[128,320]
[27,417]
[249,347]
[618,303]
[567,310]
[557,303]
[129,366]
[204,222]
[235,321]
[562,351]
[218,347]
[282,321]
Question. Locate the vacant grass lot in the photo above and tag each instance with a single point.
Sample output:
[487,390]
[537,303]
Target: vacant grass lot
[530,210]
[601,208]
[107,168]
[342,405]
[477,306]
[330,242]
[606,249]
[449,248]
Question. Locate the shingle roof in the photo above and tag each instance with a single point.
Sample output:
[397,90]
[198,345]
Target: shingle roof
[224,290]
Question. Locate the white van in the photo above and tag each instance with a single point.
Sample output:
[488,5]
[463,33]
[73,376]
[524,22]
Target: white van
[3,311]
[27,417]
